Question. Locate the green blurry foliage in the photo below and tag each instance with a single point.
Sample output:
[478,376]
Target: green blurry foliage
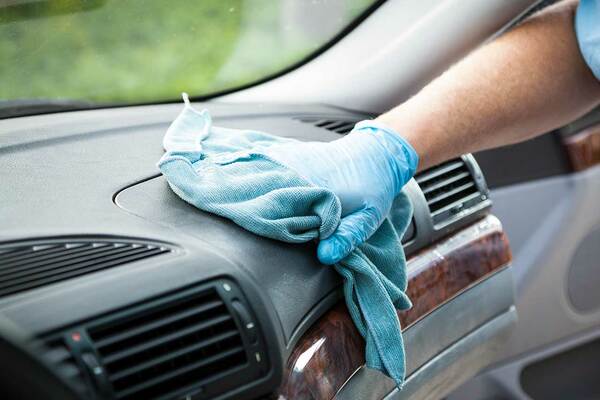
[141,50]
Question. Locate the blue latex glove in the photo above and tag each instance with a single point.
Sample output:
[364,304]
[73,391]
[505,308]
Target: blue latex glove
[587,27]
[365,169]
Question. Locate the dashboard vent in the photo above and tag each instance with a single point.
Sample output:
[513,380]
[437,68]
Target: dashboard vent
[25,266]
[175,343]
[341,126]
[450,190]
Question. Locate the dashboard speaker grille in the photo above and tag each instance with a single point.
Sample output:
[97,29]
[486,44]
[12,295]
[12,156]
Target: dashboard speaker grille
[25,266]
[173,343]
[449,189]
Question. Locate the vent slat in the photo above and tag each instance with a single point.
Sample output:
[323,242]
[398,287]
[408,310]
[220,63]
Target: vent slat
[79,270]
[206,381]
[54,259]
[58,355]
[324,123]
[220,375]
[70,265]
[341,125]
[445,195]
[441,184]
[456,203]
[150,311]
[333,125]
[26,252]
[28,265]
[173,355]
[114,357]
[450,190]
[4,253]
[437,171]
[69,371]
[179,371]
[346,128]
[39,256]
[157,324]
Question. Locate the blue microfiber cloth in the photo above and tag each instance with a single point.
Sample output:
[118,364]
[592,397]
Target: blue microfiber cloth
[223,171]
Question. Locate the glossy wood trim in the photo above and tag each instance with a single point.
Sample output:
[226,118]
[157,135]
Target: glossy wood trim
[437,274]
[584,148]
[332,349]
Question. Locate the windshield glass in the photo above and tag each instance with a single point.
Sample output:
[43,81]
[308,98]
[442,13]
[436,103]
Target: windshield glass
[135,51]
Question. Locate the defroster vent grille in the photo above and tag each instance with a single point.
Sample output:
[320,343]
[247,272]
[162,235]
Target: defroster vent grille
[338,125]
[449,189]
[28,265]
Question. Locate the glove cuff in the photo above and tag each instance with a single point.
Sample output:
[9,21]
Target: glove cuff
[406,157]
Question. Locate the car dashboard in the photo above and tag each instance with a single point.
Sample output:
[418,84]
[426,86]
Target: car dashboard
[133,293]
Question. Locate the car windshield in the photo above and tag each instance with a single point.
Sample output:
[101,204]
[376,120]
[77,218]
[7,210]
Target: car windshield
[140,51]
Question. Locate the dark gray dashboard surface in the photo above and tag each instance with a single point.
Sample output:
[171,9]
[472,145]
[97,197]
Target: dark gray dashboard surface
[288,275]
[93,173]
[74,174]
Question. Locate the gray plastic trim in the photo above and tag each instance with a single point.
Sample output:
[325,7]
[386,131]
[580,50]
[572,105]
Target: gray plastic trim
[504,382]
[547,221]
[431,337]
[441,374]
[423,226]
[583,278]
[458,317]
[464,358]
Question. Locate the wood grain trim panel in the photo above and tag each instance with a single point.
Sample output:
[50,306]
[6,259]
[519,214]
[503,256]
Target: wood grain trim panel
[332,349]
[584,148]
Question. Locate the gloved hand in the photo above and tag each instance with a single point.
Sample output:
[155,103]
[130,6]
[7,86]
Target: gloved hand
[366,169]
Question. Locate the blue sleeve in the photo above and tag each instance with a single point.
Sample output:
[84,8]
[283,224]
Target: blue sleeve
[587,28]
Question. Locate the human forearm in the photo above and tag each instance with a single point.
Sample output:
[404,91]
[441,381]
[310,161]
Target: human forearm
[525,83]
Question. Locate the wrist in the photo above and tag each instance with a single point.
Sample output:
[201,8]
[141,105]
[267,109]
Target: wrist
[403,155]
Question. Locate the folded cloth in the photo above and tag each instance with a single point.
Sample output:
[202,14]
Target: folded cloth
[226,172]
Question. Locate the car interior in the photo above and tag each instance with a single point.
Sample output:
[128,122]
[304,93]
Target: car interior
[112,287]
